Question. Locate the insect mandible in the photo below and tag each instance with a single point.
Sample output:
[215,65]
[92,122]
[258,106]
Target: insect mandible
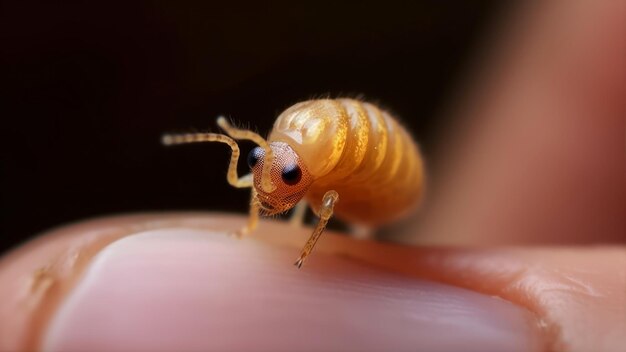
[318,151]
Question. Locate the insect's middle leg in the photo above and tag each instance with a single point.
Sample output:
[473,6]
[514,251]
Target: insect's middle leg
[325,213]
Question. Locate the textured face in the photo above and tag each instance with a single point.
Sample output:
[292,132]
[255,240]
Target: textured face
[288,174]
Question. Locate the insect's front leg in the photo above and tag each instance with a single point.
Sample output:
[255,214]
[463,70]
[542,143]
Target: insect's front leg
[253,217]
[325,213]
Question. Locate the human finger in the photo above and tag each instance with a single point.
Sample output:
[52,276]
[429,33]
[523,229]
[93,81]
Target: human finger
[184,284]
[538,156]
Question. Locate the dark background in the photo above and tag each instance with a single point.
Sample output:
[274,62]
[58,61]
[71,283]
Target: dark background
[87,89]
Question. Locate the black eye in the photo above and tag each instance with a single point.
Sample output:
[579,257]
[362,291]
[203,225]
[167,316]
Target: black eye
[291,174]
[254,156]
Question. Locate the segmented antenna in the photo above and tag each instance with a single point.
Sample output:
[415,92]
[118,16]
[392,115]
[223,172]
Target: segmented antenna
[266,179]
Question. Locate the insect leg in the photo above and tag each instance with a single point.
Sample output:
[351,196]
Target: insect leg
[232,177]
[326,211]
[253,217]
[299,211]
[266,179]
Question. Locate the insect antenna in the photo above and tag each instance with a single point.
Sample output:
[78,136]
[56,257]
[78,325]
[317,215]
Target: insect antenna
[266,180]
[184,138]
[231,176]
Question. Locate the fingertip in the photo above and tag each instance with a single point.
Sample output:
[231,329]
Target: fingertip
[187,289]
[163,282]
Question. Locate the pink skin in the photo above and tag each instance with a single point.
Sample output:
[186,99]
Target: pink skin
[166,282]
[261,303]
[541,163]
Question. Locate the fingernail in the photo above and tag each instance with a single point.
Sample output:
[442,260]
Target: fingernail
[191,290]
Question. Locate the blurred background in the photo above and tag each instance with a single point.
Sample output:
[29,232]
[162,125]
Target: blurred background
[89,87]
[519,110]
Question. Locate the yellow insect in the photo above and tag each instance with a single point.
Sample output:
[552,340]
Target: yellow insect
[318,151]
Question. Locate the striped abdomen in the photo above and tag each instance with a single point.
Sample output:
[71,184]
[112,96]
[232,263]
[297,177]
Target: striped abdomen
[359,151]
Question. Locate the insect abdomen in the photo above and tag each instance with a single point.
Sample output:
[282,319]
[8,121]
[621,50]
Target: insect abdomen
[358,150]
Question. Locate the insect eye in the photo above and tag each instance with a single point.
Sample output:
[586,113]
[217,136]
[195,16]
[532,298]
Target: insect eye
[254,156]
[291,174]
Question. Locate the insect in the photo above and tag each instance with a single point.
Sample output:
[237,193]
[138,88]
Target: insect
[319,151]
